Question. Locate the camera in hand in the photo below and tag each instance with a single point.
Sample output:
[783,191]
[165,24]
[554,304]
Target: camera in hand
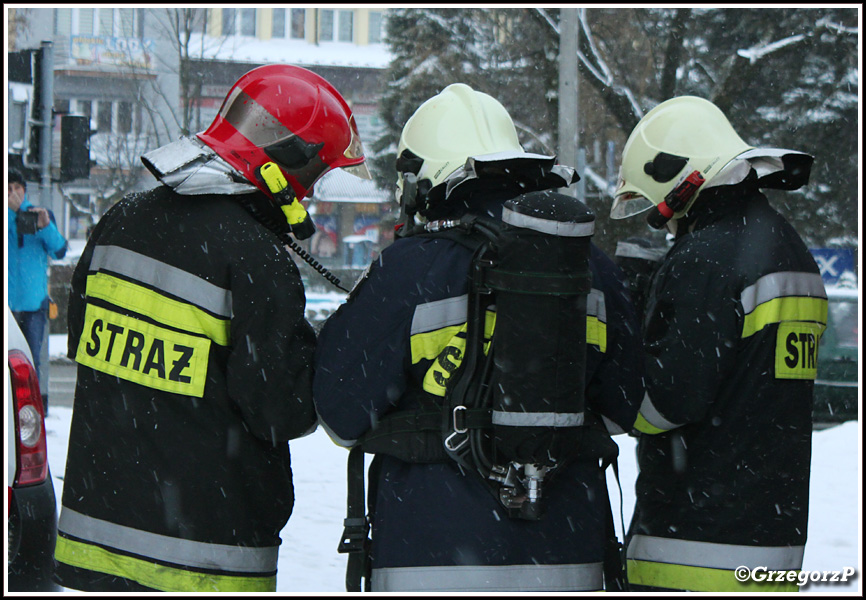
[27,222]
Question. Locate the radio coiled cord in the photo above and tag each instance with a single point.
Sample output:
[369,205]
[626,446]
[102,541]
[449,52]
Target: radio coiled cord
[307,258]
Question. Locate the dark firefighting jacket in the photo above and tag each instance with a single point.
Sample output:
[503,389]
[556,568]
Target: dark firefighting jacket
[435,528]
[186,317]
[733,324]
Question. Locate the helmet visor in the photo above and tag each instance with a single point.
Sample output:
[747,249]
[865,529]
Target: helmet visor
[629,204]
[355,152]
[253,121]
[359,170]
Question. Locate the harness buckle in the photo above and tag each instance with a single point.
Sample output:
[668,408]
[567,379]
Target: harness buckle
[354,535]
[462,412]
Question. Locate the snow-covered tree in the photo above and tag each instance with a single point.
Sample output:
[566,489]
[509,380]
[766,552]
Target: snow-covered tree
[786,77]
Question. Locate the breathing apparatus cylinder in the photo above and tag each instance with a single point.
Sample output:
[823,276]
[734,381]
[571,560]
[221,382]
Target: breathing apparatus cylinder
[541,282]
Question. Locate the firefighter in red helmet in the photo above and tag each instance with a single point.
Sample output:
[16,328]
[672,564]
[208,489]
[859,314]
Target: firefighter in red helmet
[292,117]
[186,318]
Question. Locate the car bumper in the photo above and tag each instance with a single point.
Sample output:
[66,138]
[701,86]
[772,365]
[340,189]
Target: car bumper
[835,402]
[34,512]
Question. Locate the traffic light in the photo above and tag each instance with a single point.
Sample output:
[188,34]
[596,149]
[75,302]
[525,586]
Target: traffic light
[74,147]
[34,143]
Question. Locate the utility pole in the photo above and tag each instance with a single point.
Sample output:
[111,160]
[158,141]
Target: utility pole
[569,137]
[38,154]
[46,102]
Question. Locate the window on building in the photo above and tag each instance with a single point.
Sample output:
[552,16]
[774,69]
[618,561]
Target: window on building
[124,117]
[137,122]
[375,33]
[326,25]
[62,21]
[103,116]
[229,21]
[346,21]
[106,21]
[83,24]
[336,25]
[299,18]
[61,105]
[248,22]
[278,19]
[199,20]
[239,21]
[84,108]
[125,21]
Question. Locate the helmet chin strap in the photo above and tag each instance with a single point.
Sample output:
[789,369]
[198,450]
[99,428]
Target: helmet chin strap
[671,226]
[676,200]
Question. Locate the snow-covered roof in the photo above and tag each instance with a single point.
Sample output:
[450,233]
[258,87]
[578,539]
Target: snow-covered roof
[340,186]
[253,50]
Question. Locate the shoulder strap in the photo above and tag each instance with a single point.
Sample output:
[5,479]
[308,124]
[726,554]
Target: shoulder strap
[470,240]
[614,552]
[356,526]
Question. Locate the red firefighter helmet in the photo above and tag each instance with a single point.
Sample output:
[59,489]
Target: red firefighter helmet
[291,116]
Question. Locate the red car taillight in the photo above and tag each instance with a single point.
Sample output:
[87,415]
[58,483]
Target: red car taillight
[29,421]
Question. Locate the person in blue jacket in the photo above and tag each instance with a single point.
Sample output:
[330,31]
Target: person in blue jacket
[32,240]
[436,528]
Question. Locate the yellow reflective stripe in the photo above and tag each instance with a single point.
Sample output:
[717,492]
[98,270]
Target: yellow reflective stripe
[143,353]
[698,579]
[650,420]
[644,426]
[791,308]
[449,358]
[596,332]
[427,346]
[157,576]
[156,306]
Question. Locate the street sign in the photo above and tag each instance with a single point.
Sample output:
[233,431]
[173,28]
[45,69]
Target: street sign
[833,262]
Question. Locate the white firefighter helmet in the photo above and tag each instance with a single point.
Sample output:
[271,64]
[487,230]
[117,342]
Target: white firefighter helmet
[672,141]
[450,127]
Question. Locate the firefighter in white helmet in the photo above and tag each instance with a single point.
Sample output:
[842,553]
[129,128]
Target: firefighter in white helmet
[390,351]
[733,321]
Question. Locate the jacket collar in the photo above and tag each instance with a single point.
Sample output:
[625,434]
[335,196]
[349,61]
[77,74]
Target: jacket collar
[191,168]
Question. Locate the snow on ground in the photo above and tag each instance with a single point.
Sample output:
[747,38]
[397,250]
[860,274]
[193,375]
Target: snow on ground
[309,561]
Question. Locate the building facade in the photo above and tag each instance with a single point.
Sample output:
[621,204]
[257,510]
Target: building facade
[144,76]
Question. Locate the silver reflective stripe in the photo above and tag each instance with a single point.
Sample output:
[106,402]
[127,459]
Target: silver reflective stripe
[537,419]
[631,250]
[780,285]
[564,229]
[441,313]
[504,578]
[595,306]
[162,276]
[612,428]
[652,416]
[714,556]
[161,547]
[334,437]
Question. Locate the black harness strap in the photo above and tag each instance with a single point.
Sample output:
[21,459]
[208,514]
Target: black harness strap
[614,551]
[356,527]
[416,435]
